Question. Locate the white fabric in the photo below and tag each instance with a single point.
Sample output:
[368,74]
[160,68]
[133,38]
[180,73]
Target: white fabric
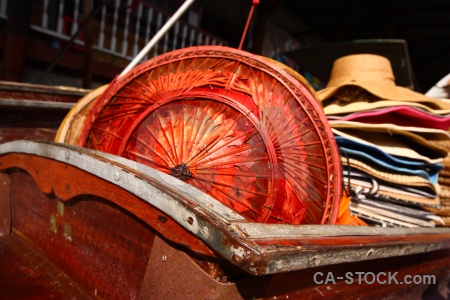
[438,91]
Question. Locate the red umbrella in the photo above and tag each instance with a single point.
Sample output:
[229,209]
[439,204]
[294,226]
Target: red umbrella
[239,127]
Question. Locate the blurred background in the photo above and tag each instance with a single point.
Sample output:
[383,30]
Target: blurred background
[86,43]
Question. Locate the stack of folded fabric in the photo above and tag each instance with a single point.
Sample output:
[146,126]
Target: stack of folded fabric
[393,143]
[441,90]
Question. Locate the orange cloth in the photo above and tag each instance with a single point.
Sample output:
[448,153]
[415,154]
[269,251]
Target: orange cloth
[345,217]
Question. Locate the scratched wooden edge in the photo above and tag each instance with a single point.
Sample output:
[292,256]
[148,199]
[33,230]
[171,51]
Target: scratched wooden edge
[247,245]
[35,104]
[42,89]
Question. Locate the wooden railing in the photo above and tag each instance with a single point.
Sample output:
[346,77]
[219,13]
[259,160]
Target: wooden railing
[121,27]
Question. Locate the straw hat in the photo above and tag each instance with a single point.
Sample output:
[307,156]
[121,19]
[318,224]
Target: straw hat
[374,74]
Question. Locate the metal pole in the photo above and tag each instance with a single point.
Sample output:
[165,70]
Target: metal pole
[249,18]
[157,37]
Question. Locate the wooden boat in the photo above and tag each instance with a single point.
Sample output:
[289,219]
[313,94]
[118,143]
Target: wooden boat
[31,111]
[81,223]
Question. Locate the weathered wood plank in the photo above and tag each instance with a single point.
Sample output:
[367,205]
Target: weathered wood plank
[27,91]
[5,205]
[33,134]
[32,111]
[96,242]
[26,273]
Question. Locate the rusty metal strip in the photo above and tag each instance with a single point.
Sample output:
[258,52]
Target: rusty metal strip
[338,255]
[286,231]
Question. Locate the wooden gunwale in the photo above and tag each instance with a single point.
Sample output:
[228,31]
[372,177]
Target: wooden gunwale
[257,248]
